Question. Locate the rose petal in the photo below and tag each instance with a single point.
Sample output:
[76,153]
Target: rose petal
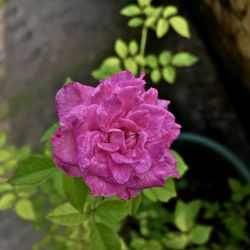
[100,187]
[64,146]
[72,95]
[108,111]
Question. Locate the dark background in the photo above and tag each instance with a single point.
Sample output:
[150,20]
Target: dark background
[43,42]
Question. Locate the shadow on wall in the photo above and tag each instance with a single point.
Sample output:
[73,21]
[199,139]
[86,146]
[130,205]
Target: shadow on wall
[42,42]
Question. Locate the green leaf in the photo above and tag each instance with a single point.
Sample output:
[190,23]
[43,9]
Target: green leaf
[151,61]
[155,75]
[4,155]
[163,194]
[138,243]
[47,135]
[25,210]
[144,3]
[130,10]
[185,214]
[66,215]
[175,240]
[6,201]
[104,237]
[184,59]
[181,165]
[169,11]
[108,67]
[153,244]
[180,25]
[130,64]
[76,191]
[149,11]
[68,80]
[162,27]
[200,234]
[5,187]
[135,22]
[165,57]
[140,60]
[33,170]
[25,191]
[121,48]
[169,74]
[150,21]
[133,47]
[3,139]
[134,204]
[112,211]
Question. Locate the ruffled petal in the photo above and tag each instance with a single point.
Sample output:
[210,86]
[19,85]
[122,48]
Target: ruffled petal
[71,170]
[121,172]
[100,187]
[128,193]
[108,112]
[64,146]
[71,95]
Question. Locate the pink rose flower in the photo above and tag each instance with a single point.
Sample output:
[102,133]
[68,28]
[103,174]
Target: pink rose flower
[115,136]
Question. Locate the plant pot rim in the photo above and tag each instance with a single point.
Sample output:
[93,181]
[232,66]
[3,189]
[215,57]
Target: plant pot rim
[217,149]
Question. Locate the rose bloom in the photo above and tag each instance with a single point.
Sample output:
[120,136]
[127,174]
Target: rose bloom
[115,136]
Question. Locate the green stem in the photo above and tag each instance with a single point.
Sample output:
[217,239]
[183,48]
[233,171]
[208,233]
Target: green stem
[144,35]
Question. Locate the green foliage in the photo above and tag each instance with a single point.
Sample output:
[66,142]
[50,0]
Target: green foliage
[184,59]
[6,201]
[180,25]
[162,28]
[104,237]
[25,210]
[121,48]
[32,170]
[66,215]
[149,17]
[108,67]
[163,194]
[200,234]
[76,192]
[185,214]
[175,240]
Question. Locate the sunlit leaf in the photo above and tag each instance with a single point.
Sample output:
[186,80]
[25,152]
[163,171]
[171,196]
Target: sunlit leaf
[135,22]
[6,201]
[181,165]
[180,25]
[66,215]
[163,194]
[25,209]
[185,214]
[169,74]
[162,27]
[165,57]
[144,3]
[33,170]
[169,11]
[133,47]
[155,75]
[184,59]
[108,67]
[130,10]
[130,64]
[151,61]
